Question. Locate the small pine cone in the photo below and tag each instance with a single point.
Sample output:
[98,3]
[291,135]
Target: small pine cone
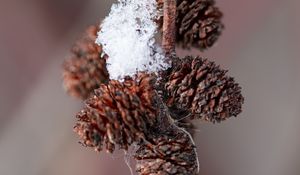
[118,114]
[198,23]
[167,156]
[85,69]
[199,87]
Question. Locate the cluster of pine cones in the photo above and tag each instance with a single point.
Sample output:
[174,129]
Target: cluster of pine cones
[151,111]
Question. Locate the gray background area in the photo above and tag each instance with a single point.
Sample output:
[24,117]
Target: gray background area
[260,47]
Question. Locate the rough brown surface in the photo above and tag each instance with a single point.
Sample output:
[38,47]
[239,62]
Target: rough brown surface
[85,69]
[199,87]
[198,23]
[118,114]
[168,155]
[169,27]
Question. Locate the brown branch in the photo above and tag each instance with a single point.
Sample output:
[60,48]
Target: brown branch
[169,27]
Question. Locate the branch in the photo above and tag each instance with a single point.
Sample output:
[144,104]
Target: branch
[169,27]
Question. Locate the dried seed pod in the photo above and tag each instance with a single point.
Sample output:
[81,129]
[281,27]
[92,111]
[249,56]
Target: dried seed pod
[198,23]
[85,69]
[118,114]
[167,156]
[199,87]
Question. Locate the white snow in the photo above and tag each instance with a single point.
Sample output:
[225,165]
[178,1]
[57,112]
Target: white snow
[127,36]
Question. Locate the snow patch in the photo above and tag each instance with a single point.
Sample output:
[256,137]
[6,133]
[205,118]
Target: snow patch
[127,36]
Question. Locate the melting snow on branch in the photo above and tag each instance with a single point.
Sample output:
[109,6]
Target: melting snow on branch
[127,37]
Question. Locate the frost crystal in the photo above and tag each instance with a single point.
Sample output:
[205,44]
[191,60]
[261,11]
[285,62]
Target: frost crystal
[127,36]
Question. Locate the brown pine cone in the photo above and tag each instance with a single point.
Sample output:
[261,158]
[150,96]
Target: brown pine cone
[167,156]
[85,69]
[197,86]
[118,114]
[198,23]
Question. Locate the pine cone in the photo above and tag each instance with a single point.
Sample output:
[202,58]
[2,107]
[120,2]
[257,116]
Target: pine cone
[167,156]
[118,114]
[198,23]
[85,69]
[199,87]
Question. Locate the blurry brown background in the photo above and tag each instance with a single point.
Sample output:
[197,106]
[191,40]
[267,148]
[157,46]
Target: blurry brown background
[260,46]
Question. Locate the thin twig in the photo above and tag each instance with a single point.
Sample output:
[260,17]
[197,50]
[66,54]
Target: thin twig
[127,161]
[169,27]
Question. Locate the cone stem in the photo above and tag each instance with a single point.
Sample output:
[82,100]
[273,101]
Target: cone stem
[169,27]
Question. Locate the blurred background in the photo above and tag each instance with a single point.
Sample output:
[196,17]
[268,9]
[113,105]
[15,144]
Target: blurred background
[260,46]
